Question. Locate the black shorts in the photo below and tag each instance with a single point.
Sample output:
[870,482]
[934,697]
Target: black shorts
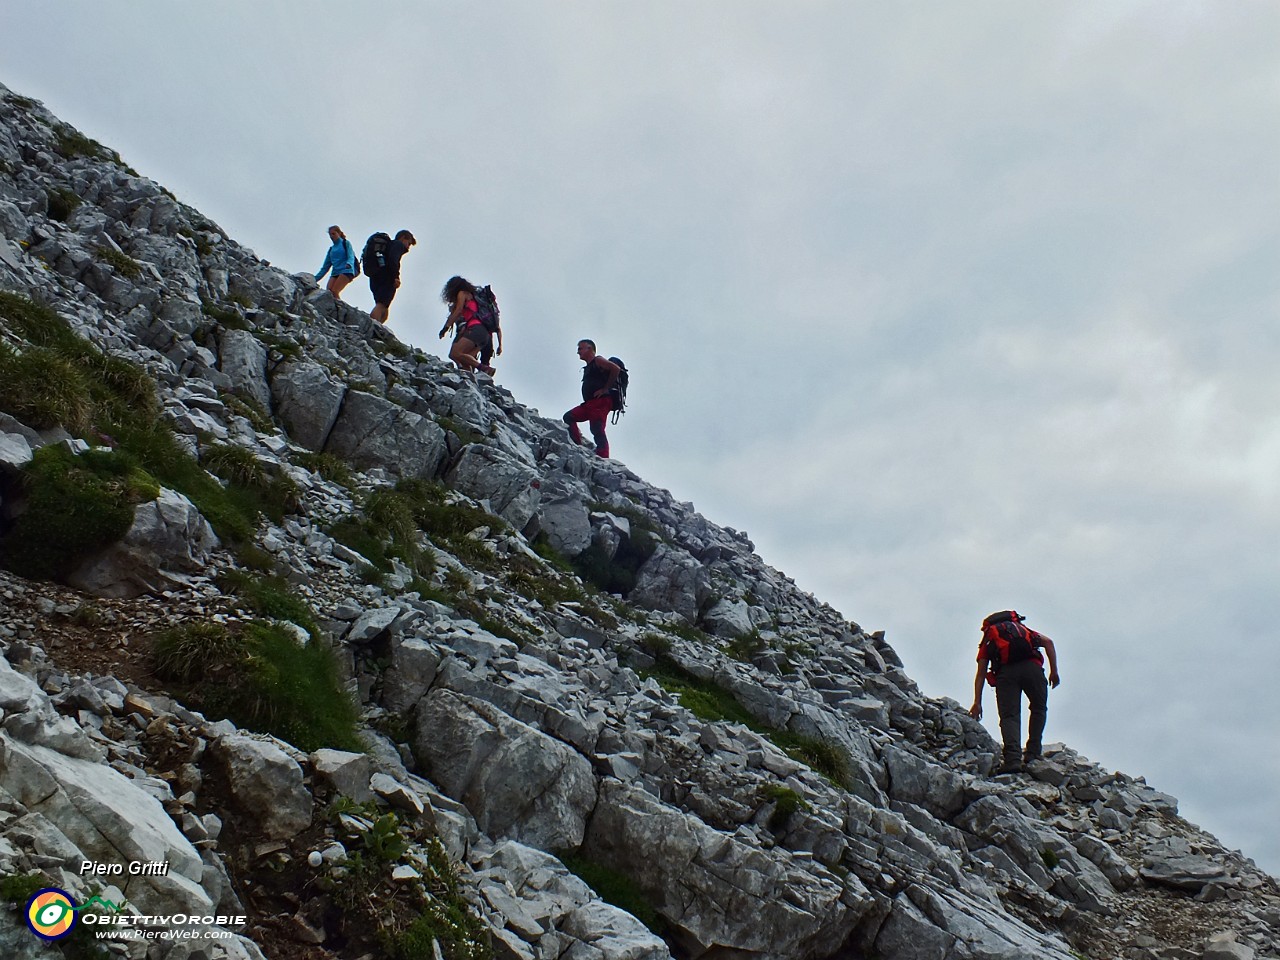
[476,333]
[384,291]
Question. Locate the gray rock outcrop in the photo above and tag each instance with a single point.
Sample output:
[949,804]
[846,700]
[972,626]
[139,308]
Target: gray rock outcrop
[751,773]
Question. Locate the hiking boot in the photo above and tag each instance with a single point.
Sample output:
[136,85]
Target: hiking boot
[1029,758]
[1010,766]
[486,369]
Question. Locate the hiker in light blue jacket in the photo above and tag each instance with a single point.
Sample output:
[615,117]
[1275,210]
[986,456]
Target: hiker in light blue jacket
[341,258]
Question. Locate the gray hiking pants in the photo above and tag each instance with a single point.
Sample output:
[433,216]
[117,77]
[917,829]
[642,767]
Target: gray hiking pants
[1012,681]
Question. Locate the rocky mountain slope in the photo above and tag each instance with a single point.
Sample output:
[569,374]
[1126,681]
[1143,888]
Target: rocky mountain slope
[376,662]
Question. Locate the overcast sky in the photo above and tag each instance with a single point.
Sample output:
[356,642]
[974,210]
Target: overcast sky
[951,307]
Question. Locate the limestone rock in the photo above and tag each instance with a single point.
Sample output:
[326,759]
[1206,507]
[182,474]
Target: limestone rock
[728,618]
[168,537]
[516,781]
[511,488]
[243,358]
[15,451]
[307,401]
[108,818]
[564,517]
[373,432]
[715,890]
[348,773]
[266,783]
[671,579]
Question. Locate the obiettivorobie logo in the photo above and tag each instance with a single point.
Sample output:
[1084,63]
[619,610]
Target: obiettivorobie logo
[51,913]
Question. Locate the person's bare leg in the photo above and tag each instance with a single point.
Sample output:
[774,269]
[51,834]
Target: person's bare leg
[379,312]
[465,354]
[338,283]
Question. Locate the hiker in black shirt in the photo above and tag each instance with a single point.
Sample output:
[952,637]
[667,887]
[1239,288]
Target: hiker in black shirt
[384,283]
[598,378]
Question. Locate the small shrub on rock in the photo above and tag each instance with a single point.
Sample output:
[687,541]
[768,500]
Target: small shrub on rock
[787,803]
[426,916]
[746,648]
[21,887]
[75,507]
[62,203]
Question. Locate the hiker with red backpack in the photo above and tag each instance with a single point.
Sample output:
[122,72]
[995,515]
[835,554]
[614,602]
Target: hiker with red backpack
[1009,659]
[603,391]
[473,315]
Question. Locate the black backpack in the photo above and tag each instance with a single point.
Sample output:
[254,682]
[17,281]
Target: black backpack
[618,392]
[375,255]
[354,258]
[487,308]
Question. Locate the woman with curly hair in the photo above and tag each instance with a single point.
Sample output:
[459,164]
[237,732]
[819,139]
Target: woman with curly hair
[470,334]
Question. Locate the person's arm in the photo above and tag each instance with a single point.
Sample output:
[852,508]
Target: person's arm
[1052,653]
[498,352]
[324,267]
[979,680]
[459,302]
[613,369]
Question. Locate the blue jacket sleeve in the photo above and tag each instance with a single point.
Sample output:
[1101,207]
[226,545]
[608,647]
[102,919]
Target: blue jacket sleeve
[328,262]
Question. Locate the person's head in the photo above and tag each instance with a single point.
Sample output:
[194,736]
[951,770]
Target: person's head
[455,286]
[336,234]
[586,349]
[406,239]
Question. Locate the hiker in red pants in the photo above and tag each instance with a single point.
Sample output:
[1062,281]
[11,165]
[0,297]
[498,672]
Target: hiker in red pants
[598,378]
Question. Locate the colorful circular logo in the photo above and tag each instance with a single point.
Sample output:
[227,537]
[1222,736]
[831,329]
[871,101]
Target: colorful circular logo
[51,914]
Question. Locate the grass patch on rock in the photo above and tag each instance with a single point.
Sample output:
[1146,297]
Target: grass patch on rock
[369,913]
[270,596]
[71,143]
[394,517]
[330,466]
[260,678]
[61,379]
[75,507]
[709,701]
[616,888]
[228,317]
[267,490]
[122,263]
[787,803]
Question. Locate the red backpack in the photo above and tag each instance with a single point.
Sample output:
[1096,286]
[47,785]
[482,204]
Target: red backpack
[1006,640]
